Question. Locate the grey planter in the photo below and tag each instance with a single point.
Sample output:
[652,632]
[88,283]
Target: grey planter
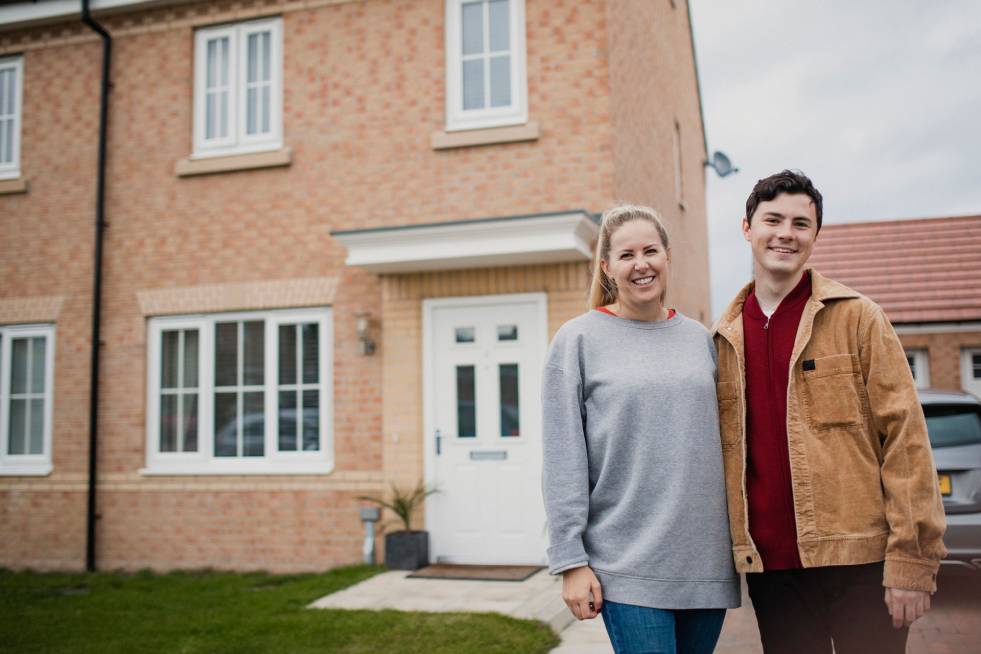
[406,550]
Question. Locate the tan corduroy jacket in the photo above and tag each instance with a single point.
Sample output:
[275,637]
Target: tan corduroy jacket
[864,483]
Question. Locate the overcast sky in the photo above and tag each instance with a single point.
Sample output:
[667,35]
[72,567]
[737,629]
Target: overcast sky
[878,101]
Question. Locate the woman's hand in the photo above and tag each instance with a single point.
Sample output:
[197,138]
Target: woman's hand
[582,593]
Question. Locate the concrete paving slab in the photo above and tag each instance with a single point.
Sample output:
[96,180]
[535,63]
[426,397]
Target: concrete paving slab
[536,598]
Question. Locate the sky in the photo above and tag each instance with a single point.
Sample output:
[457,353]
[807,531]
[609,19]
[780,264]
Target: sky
[877,101]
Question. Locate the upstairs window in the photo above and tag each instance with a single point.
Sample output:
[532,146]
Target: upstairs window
[11,74]
[485,64]
[26,379]
[238,74]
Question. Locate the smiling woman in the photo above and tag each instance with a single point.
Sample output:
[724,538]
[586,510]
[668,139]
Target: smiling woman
[630,419]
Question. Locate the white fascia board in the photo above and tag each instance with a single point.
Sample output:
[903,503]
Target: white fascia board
[478,244]
[23,14]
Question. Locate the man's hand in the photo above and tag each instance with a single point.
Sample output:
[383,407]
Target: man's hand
[582,593]
[905,606]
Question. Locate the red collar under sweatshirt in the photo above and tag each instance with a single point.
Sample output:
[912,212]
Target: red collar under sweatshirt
[769,343]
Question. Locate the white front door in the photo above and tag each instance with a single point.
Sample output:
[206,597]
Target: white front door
[484,428]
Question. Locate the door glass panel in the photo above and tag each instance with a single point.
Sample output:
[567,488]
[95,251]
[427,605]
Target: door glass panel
[507,332]
[510,418]
[466,410]
[465,335]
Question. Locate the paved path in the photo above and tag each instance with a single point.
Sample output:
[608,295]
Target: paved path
[952,627]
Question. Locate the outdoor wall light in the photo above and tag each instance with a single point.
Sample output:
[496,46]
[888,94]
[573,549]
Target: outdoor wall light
[362,325]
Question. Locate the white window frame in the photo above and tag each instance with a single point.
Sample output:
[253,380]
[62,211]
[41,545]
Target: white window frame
[921,366]
[203,462]
[237,141]
[11,170]
[517,113]
[968,382]
[26,464]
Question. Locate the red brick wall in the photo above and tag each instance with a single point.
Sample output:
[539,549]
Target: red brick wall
[363,92]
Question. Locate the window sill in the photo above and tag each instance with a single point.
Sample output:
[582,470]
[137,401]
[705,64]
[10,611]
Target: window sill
[251,161]
[11,186]
[443,140]
[222,469]
[26,470]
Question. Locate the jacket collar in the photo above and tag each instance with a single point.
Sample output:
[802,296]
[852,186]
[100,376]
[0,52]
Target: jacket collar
[823,289]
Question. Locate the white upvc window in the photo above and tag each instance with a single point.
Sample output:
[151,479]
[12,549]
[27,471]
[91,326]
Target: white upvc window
[238,88]
[240,393]
[11,83]
[486,80]
[971,370]
[919,365]
[26,381]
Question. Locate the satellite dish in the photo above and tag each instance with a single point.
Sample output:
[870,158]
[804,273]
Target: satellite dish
[721,165]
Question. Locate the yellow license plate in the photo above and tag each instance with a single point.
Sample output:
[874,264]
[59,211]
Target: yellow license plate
[944,485]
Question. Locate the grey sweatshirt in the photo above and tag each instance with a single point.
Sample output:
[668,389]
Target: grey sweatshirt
[632,470]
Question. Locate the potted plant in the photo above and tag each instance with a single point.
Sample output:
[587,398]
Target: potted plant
[406,548]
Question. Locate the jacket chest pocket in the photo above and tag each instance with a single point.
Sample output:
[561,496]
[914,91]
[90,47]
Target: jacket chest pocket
[832,394]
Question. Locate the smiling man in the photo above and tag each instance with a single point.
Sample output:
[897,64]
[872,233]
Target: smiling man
[834,508]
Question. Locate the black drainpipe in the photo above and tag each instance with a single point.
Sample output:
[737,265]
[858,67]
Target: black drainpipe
[100,226]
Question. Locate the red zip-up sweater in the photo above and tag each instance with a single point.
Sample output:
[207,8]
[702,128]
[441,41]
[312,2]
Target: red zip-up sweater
[769,344]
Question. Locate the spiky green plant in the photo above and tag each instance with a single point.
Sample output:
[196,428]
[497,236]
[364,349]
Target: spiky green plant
[403,504]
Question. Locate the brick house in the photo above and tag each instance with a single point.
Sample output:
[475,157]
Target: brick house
[926,275]
[340,234]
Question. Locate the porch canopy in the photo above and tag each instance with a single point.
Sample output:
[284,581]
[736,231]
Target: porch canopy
[506,241]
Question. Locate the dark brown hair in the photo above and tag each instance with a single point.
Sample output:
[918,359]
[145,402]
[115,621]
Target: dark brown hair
[786,181]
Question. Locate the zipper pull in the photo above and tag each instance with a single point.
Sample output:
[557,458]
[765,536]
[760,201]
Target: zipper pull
[766,324]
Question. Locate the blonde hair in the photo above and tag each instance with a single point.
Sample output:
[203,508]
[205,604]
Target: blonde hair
[602,290]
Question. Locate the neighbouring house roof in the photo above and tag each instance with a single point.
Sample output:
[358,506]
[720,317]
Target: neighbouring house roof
[922,270]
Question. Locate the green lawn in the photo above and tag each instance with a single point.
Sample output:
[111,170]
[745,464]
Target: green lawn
[213,612]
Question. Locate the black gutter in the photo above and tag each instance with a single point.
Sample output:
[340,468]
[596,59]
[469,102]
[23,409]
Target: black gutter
[100,226]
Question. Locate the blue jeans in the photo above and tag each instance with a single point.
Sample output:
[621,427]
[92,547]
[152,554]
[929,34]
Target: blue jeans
[643,630]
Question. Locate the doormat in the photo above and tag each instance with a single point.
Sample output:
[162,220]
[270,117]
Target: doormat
[477,572]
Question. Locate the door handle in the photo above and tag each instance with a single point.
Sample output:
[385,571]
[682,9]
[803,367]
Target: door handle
[439,443]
